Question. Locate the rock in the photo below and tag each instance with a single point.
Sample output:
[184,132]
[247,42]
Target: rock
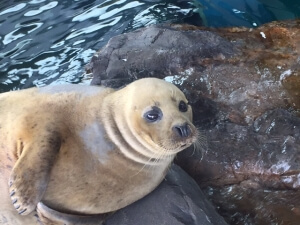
[252,172]
[177,201]
[244,87]
[246,71]
[268,152]
[246,204]
[155,52]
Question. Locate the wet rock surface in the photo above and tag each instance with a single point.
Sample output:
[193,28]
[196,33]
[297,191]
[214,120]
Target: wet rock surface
[266,153]
[246,71]
[177,200]
[251,172]
[154,52]
[244,87]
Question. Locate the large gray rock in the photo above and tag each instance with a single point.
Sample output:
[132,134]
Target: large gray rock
[177,201]
[155,51]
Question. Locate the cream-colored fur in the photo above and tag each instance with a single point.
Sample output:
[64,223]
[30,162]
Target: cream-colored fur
[85,150]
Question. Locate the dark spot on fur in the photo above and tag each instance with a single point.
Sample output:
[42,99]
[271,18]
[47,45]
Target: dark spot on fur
[120,200]
[173,99]
[8,157]
[34,126]
[8,166]
[157,104]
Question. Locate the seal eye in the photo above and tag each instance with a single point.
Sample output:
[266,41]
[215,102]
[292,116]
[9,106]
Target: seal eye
[182,106]
[153,115]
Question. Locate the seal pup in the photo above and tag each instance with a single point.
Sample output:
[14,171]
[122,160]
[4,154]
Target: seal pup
[81,151]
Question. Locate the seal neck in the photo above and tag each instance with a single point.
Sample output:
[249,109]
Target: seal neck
[122,135]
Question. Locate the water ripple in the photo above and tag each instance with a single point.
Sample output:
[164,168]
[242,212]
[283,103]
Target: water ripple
[13,9]
[95,27]
[44,8]
[44,42]
[156,13]
[96,11]
[20,32]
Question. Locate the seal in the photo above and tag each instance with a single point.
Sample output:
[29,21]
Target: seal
[76,153]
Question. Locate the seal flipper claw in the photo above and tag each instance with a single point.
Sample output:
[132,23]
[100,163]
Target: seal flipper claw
[30,175]
[21,212]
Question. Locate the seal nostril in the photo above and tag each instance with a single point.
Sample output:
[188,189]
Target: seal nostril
[178,131]
[182,130]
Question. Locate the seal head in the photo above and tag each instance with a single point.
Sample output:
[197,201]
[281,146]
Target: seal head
[154,118]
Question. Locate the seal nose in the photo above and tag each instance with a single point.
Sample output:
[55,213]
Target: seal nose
[182,130]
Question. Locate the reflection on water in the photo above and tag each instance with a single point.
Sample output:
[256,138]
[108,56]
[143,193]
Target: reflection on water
[46,42]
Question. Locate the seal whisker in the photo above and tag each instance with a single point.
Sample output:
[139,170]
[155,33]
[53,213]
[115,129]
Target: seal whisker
[200,145]
[149,165]
[144,166]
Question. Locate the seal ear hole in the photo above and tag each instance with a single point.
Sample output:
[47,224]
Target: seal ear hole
[183,107]
[153,115]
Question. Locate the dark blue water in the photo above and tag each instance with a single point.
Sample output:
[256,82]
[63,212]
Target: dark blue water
[43,42]
[248,13]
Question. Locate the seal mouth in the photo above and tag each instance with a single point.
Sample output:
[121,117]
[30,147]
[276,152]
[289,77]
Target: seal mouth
[187,142]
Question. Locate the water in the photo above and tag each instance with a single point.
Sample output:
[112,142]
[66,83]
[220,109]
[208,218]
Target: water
[43,42]
[248,13]
[46,42]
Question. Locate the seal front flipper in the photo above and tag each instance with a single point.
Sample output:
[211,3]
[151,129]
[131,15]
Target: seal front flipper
[30,175]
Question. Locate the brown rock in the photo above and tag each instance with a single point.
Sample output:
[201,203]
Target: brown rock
[246,71]
[252,173]
[244,86]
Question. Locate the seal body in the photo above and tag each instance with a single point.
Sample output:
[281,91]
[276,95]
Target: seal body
[83,150]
